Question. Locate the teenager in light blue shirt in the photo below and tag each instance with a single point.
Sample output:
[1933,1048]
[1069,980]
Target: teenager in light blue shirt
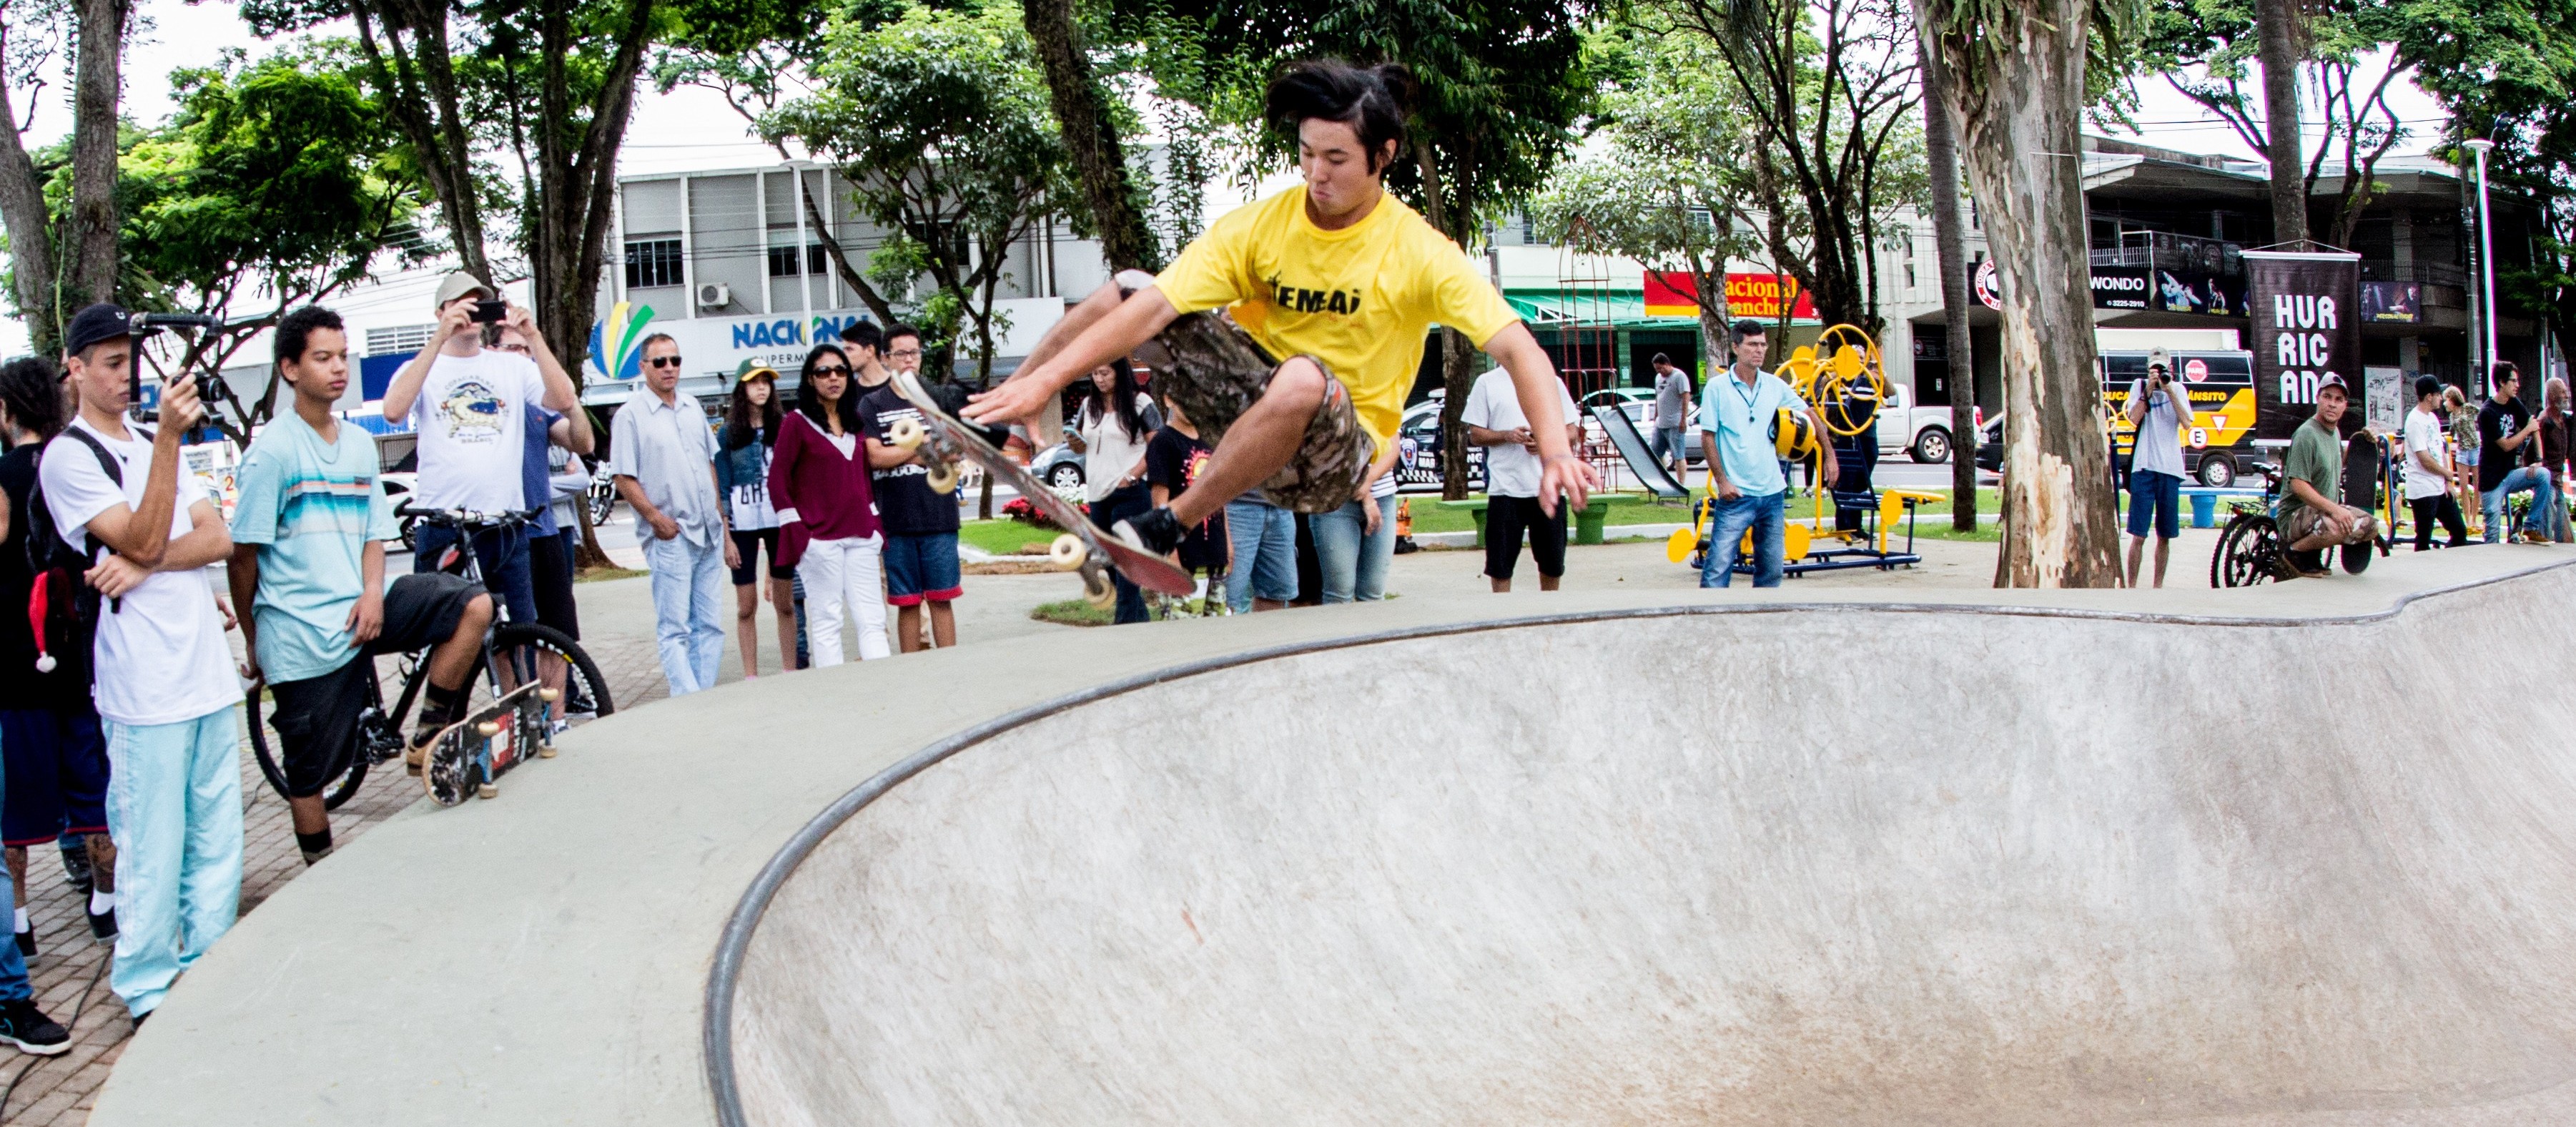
[1736,414]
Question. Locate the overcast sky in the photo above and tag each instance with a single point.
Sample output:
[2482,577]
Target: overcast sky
[691,128]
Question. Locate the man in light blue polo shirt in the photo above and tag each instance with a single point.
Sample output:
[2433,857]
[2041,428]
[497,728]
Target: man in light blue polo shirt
[1736,414]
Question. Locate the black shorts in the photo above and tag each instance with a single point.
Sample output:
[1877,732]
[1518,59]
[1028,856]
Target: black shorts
[550,571]
[1505,519]
[421,611]
[747,546]
[317,723]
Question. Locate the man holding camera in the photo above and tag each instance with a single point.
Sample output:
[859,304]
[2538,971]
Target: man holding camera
[162,674]
[2160,410]
[467,405]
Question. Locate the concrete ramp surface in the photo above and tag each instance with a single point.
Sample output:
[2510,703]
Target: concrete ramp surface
[2301,855]
[2011,868]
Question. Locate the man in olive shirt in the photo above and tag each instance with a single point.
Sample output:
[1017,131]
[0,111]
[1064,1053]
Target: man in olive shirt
[2311,519]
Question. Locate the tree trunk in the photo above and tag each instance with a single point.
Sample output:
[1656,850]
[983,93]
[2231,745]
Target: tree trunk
[1090,136]
[92,243]
[417,80]
[2018,92]
[2277,31]
[30,226]
[577,183]
[1941,152]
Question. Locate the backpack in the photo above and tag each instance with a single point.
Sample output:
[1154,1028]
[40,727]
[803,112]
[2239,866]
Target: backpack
[62,608]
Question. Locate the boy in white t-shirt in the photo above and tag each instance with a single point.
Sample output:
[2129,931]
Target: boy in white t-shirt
[1513,481]
[467,404]
[164,681]
[2431,487]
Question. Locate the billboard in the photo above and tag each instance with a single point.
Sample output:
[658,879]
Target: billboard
[2392,303]
[2120,287]
[2307,326]
[1670,293]
[2181,291]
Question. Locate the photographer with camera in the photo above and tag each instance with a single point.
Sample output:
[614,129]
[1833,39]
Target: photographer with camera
[161,673]
[468,405]
[2160,408]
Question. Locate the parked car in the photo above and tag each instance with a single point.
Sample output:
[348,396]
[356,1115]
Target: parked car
[398,489]
[1922,433]
[1060,468]
[1417,441]
[2221,383]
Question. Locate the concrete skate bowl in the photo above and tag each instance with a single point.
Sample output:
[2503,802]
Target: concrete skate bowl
[1713,865]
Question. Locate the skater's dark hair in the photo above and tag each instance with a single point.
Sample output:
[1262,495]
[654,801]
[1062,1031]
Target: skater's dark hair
[741,428]
[809,402]
[1660,358]
[2501,371]
[295,331]
[1371,100]
[1745,328]
[865,334]
[1123,393]
[31,390]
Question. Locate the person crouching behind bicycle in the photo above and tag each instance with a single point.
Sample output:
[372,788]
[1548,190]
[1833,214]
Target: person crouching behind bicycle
[2311,520]
[308,560]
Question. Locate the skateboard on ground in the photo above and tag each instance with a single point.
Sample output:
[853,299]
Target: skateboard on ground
[469,756]
[1082,547]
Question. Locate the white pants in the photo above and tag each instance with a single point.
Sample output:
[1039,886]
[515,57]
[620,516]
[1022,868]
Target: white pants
[839,573]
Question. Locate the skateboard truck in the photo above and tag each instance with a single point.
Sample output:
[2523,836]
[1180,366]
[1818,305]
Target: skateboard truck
[909,434]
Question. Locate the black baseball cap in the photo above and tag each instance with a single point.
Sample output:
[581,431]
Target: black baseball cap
[2427,385]
[101,322]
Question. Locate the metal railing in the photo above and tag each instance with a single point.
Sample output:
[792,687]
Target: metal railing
[2169,251]
[2436,273]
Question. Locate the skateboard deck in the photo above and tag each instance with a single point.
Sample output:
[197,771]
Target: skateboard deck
[468,756]
[950,440]
[2363,460]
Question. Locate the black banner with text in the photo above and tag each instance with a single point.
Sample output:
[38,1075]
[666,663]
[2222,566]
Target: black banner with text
[2307,325]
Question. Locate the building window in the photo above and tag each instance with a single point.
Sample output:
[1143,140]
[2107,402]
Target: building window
[782,260]
[651,263]
[396,341]
[1529,230]
[815,260]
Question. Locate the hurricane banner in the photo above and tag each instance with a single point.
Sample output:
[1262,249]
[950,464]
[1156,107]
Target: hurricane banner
[2307,326]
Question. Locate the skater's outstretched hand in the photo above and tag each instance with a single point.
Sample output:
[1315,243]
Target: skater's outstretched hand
[1017,400]
[1567,474]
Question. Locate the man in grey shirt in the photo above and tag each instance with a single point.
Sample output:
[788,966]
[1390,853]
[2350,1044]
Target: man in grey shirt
[1672,413]
[664,455]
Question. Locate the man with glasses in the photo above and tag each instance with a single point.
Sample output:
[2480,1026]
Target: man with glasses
[664,455]
[468,405]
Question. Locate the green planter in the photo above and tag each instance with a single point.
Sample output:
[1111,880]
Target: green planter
[1475,507]
[1588,521]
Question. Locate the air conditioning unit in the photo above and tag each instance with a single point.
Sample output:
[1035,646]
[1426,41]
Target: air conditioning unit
[714,295]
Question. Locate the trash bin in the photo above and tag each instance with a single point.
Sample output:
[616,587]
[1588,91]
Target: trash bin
[1588,520]
[2204,509]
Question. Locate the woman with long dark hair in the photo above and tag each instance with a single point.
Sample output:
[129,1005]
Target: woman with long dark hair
[752,416]
[827,513]
[1110,432]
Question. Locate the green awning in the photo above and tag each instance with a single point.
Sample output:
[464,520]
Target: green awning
[1624,309]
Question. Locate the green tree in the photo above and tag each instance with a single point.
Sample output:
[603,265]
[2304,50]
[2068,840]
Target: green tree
[1666,184]
[2507,72]
[61,259]
[276,184]
[2018,75]
[940,123]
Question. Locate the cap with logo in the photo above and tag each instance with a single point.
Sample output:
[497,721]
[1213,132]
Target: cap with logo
[2331,380]
[95,323]
[755,370]
[457,285]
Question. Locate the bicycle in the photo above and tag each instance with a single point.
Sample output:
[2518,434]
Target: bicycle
[512,653]
[2249,551]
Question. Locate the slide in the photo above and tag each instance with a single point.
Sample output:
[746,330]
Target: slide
[1632,447]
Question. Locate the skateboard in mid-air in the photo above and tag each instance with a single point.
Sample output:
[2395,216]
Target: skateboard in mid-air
[469,756]
[1082,547]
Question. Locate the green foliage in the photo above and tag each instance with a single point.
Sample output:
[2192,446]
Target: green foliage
[940,121]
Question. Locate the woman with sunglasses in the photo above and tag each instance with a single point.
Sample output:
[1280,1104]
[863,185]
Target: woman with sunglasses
[752,418]
[827,516]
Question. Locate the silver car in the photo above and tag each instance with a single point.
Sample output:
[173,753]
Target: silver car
[1060,467]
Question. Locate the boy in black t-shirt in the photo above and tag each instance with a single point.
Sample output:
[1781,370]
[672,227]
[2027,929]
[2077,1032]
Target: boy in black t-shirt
[920,526]
[2505,429]
[1173,459]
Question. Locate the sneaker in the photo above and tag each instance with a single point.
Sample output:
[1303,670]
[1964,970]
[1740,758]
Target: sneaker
[102,925]
[314,857]
[76,870]
[27,944]
[1157,532]
[27,1027]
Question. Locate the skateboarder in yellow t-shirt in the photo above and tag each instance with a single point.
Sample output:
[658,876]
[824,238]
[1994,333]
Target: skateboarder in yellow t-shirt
[1291,332]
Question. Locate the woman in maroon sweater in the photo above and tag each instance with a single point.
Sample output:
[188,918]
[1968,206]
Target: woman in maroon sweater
[827,514]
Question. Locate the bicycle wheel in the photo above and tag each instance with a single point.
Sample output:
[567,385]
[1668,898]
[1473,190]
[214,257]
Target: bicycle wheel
[586,693]
[2246,552]
[333,795]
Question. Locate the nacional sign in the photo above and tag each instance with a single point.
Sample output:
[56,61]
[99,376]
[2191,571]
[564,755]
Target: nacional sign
[2307,326]
[1673,293]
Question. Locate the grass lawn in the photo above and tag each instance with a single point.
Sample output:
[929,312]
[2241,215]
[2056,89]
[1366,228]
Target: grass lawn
[596,574]
[1073,612]
[1005,537]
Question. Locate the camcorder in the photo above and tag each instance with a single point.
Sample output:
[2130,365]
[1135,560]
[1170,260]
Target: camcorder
[211,388]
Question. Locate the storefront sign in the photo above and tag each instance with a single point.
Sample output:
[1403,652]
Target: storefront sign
[1673,293]
[2120,287]
[2206,294]
[1989,283]
[2306,308]
[2387,303]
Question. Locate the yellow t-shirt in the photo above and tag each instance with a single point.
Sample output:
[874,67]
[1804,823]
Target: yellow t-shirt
[1360,299]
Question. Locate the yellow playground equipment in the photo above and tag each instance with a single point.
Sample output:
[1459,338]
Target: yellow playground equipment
[1842,376]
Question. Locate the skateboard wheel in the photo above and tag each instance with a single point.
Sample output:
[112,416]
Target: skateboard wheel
[545,751]
[906,433]
[487,790]
[488,729]
[1099,591]
[1068,551]
[943,478]
[550,695]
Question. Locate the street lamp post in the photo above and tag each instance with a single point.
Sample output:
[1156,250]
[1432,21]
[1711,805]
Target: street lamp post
[2486,262]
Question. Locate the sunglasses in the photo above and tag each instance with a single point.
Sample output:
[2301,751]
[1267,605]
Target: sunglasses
[832,370]
[663,362]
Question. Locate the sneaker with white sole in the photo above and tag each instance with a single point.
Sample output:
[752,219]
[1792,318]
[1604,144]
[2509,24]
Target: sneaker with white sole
[27,1027]
[1156,531]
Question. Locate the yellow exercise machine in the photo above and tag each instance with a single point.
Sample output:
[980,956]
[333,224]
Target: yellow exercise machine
[1841,372]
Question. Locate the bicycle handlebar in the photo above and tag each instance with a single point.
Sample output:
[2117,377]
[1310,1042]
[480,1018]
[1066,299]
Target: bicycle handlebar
[467,519]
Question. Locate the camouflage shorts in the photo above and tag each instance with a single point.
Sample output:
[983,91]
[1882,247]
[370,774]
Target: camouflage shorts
[2305,521]
[1211,368]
